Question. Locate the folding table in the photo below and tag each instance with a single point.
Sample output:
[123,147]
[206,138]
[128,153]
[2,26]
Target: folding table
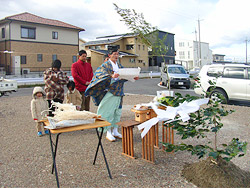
[98,124]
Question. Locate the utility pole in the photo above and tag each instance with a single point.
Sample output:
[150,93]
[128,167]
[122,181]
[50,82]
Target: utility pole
[197,50]
[199,42]
[246,48]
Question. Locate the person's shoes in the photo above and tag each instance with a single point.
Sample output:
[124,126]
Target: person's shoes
[39,133]
[110,137]
[46,132]
[116,134]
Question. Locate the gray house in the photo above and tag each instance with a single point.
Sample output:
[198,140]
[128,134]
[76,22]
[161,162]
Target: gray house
[168,54]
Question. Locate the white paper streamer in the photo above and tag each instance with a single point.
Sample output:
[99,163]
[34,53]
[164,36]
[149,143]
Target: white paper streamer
[170,113]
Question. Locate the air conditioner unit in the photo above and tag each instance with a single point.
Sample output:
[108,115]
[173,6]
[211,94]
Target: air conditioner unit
[25,71]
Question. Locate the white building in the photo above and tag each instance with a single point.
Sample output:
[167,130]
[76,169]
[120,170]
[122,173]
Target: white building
[188,53]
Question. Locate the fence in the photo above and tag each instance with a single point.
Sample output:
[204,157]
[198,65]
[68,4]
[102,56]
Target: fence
[36,72]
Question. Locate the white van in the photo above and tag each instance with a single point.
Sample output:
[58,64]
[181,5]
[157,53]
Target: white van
[177,75]
[232,80]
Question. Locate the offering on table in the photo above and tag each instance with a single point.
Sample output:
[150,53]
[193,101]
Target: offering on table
[66,115]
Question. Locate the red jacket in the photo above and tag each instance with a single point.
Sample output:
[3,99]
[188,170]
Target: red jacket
[81,72]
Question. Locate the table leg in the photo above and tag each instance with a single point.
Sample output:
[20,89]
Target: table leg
[57,138]
[100,144]
[54,156]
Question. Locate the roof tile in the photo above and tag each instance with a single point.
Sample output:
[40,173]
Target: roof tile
[28,17]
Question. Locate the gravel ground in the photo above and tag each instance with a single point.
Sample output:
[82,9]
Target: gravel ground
[25,159]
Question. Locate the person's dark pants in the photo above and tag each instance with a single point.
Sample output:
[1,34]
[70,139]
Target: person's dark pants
[53,108]
[85,102]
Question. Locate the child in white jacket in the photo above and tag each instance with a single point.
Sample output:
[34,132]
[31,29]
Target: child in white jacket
[39,104]
[73,95]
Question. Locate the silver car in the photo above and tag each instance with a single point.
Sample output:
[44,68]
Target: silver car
[176,74]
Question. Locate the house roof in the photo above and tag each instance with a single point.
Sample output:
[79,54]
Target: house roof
[130,34]
[106,41]
[31,18]
[119,35]
[106,52]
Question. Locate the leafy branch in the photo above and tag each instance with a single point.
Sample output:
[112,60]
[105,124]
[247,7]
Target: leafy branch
[205,120]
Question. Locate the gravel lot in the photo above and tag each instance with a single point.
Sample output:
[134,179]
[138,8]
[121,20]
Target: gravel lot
[25,159]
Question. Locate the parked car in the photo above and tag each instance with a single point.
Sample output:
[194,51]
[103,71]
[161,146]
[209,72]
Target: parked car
[7,85]
[232,81]
[177,75]
[194,72]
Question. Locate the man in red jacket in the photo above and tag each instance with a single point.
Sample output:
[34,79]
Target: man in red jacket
[82,73]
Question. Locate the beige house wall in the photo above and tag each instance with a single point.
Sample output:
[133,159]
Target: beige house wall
[96,60]
[5,57]
[44,33]
[7,36]
[140,60]
[64,53]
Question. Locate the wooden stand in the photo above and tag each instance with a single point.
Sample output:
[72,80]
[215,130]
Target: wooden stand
[151,114]
[127,137]
[167,135]
[148,142]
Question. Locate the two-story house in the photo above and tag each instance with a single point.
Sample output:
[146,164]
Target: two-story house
[31,43]
[165,47]
[190,54]
[218,58]
[133,53]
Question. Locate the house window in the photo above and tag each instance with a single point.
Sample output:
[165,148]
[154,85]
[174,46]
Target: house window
[91,47]
[54,57]
[143,47]
[139,47]
[3,33]
[54,35]
[129,47]
[27,32]
[74,58]
[97,47]
[39,57]
[181,44]
[132,60]
[182,54]
[23,60]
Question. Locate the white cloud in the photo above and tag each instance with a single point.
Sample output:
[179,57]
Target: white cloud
[224,23]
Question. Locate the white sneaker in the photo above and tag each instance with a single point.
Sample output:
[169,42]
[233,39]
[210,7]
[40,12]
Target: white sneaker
[116,134]
[110,136]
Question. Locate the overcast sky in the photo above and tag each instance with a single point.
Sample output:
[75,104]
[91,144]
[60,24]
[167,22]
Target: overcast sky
[224,23]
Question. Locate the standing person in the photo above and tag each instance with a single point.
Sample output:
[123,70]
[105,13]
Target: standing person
[82,73]
[106,90]
[55,79]
[73,95]
[39,104]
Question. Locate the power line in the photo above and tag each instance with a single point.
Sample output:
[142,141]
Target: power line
[173,11]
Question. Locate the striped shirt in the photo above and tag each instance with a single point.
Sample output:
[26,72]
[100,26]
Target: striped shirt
[55,90]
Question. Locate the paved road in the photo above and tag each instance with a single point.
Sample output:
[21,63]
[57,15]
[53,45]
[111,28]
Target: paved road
[150,86]
[141,86]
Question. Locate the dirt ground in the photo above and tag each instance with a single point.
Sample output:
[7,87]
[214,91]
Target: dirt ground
[25,159]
